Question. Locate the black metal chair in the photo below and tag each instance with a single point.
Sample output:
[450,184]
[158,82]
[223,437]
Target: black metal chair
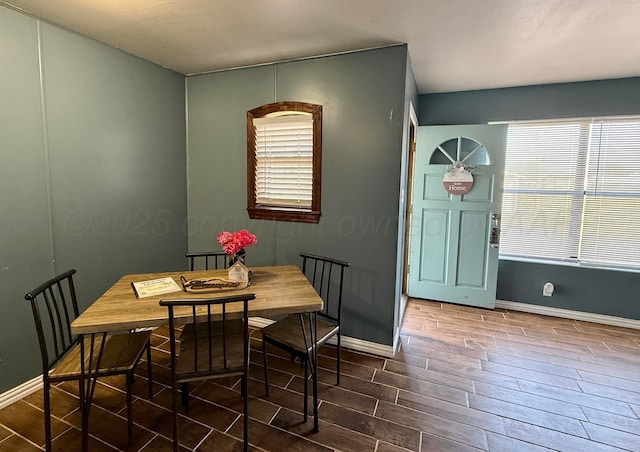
[218,259]
[294,335]
[54,304]
[213,343]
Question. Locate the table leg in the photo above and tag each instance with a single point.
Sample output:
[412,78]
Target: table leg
[314,339]
[81,392]
[87,390]
[312,358]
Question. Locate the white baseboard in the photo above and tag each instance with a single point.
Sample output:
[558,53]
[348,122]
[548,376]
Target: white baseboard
[347,342]
[568,314]
[374,348]
[17,393]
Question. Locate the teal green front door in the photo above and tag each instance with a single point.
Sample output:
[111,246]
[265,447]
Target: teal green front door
[455,221]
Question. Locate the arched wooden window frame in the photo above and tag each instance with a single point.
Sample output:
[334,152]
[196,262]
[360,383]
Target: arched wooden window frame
[280,213]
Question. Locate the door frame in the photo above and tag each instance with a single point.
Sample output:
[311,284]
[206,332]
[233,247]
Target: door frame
[408,153]
[408,198]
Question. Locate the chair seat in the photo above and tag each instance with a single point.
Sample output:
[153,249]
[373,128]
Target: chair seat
[210,360]
[121,353]
[288,332]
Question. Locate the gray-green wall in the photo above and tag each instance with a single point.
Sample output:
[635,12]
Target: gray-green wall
[590,290]
[363,99]
[92,172]
[96,175]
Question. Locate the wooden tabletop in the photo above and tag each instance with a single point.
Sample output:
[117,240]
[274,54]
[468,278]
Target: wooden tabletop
[278,290]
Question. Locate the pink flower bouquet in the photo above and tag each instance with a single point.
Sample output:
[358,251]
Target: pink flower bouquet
[234,242]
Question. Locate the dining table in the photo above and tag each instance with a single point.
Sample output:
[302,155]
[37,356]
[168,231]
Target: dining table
[278,290]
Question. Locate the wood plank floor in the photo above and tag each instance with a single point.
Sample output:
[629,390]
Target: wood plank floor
[465,379]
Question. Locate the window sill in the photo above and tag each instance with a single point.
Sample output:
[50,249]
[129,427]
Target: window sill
[283,214]
[573,264]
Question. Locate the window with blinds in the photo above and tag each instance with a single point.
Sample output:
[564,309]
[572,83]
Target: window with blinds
[284,160]
[284,145]
[572,192]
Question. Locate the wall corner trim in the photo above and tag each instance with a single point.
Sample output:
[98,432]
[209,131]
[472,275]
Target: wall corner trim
[569,314]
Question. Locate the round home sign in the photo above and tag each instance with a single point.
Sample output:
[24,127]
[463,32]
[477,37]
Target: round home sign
[457,180]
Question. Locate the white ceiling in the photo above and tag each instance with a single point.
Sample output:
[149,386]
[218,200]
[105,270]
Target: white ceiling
[455,45]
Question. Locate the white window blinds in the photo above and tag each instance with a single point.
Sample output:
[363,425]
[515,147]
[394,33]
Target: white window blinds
[284,160]
[610,229]
[572,192]
[541,189]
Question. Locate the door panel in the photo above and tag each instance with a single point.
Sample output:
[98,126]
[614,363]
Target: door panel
[433,188]
[436,235]
[482,189]
[451,258]
[472,250]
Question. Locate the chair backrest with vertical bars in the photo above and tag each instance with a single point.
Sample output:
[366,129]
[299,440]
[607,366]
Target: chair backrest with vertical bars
[326,275]
[54,306]
[213,260]
[214,340]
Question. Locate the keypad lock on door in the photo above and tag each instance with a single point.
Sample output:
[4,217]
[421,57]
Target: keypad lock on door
[494,240]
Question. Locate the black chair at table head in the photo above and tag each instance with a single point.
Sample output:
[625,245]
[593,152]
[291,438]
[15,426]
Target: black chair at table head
[55,306]
[213,260]
[327,276]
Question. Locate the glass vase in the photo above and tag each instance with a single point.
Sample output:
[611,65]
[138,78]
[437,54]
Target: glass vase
[239,256]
